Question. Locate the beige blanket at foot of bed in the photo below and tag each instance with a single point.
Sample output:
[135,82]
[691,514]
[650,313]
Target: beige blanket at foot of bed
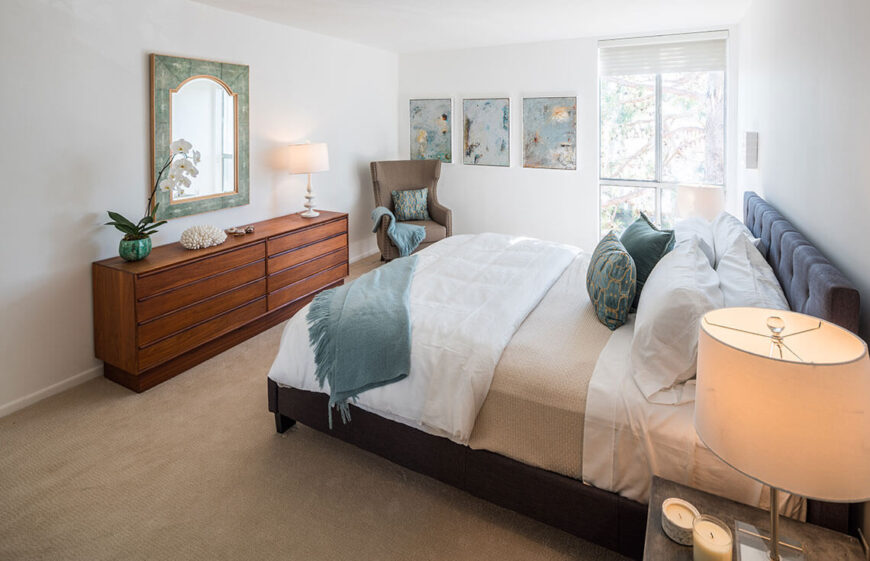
[535,407]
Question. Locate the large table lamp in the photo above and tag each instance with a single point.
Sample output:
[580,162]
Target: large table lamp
[784,398]
[308,158]
[705,201]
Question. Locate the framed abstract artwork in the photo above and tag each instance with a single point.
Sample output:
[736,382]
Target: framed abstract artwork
[486,132]
[431,129]
[550,132]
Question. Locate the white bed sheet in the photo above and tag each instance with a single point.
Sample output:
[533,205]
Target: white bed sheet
[627,439]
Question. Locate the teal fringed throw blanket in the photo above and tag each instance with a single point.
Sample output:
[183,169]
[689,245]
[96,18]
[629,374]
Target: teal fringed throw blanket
[406,236]
[361,333]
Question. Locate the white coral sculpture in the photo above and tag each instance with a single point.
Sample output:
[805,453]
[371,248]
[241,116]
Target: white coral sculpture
[198,237]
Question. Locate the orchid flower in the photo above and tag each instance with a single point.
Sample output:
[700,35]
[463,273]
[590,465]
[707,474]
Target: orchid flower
[180,146]
[183,165]
[173,176]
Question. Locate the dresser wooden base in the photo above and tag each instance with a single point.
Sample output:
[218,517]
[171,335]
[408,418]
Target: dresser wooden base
[157,317]
[153,376]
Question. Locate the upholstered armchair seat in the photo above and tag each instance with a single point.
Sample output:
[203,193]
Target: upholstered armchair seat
[434,232]
[403,175]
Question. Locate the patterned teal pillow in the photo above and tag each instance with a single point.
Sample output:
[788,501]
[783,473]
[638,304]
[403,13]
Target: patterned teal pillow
[611,281]
[411,204]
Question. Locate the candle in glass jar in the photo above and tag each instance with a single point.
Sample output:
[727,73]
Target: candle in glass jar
[711,539]
[677,518]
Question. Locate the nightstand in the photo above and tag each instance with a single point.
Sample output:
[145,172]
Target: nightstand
[819,543]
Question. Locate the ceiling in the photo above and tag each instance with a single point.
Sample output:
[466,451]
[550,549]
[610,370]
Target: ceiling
[425,25]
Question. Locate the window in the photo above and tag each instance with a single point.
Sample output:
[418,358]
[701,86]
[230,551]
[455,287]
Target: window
[662,124]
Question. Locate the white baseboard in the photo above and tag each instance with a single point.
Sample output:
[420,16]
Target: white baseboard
[22,402]
[364,256]
[39,395]
[360,249]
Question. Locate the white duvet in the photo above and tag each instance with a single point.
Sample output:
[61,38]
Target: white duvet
[469,294]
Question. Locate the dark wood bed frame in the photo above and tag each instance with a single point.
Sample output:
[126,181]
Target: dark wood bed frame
[602,517]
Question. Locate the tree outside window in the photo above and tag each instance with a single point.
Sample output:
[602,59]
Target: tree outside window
[658,131]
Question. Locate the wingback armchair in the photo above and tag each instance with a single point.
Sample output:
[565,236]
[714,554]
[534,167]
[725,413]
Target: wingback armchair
[403,175]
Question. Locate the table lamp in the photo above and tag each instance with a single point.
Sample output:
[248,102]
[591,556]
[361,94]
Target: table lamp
[308,158]
[705,201]
[784,398]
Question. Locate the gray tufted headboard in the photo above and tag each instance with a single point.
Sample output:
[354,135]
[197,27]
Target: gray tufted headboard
[811,283]
[812,286]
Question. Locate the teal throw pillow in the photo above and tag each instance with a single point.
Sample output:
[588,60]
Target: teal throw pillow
[647,245]
[610,281]
[412,204]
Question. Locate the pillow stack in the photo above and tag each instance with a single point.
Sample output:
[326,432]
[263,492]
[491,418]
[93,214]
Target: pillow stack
[713,265]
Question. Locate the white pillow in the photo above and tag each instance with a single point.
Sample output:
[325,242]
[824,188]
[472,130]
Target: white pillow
[726,227]
[746,279]
[664,352]
[700,229]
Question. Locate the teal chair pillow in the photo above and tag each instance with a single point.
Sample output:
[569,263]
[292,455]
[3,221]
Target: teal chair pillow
[647,245]
[610,281]
[412,204]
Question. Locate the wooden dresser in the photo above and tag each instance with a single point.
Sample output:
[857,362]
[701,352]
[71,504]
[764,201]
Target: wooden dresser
[155,318]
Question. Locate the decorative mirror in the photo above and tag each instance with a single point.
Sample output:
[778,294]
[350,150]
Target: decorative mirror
[205,103]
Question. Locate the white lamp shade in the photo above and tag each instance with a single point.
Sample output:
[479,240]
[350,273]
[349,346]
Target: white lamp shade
[800,425]
[705,201]
[308,158]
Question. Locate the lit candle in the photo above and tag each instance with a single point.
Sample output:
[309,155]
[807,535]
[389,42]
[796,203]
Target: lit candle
[677,518]
[711,539]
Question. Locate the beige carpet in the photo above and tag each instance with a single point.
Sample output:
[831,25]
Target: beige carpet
[193,469]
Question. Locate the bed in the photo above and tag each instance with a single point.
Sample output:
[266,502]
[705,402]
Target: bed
[532,417]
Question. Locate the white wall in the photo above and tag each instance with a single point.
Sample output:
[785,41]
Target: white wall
[550,204]
[804,88]
[75,142]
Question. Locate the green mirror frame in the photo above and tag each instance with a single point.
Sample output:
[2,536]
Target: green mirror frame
[168,73]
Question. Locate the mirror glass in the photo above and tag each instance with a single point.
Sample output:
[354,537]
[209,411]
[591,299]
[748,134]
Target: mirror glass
[203,112]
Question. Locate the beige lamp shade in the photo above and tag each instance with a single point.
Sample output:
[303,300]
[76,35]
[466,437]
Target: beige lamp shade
[308,158]
[800,423]
[705,201]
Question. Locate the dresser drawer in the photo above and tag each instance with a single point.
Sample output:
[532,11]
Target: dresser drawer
[171,301]
[302,288]
[307,236]
[299,272]
[152,283]
[200,312]
[180,343]
[297,256]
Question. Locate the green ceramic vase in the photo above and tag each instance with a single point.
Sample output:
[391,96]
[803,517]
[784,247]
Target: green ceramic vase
[134,250]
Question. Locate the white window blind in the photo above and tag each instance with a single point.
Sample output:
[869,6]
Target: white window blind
[691,52]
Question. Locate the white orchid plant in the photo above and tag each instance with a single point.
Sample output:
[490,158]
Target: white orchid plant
[178,169]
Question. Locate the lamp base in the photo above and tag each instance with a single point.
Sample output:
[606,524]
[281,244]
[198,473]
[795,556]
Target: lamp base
[309,202]
[753,544]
